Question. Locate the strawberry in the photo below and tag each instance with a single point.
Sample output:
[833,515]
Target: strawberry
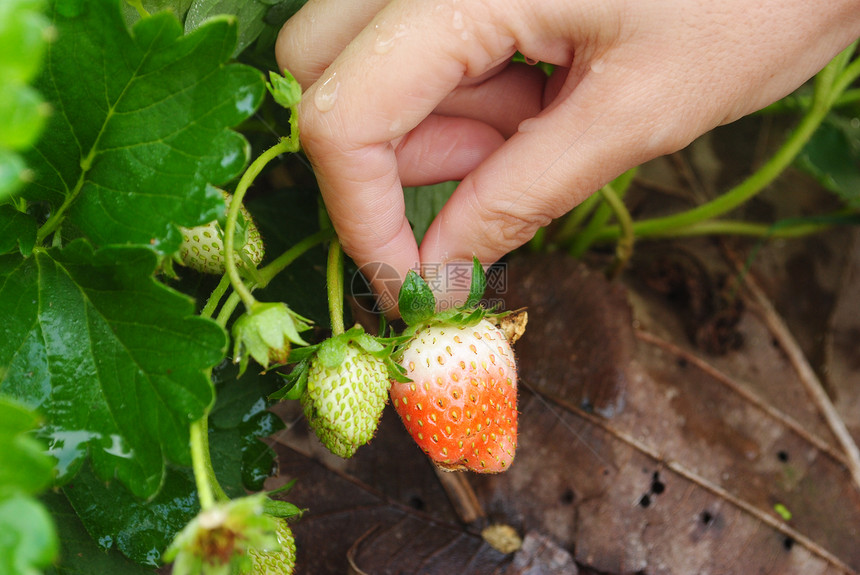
[344,401]
[202,247]
[279,562]
[461,405]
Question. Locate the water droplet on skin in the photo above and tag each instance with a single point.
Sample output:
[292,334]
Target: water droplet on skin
[395,125]
[598,66]
[326,94]
[530,61]
[457,20]
[386,37]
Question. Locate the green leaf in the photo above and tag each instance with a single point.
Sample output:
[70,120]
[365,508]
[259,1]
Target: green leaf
[248,13]
[144,124]
[423,203]
[139,529]
[832,156]
[416,301]
[80,554]
[478,285]
[238,421]
[27,536]
[114,360]
[142,529]
[17,231]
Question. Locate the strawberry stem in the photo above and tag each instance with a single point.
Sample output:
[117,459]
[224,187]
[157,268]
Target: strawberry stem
[285,145]
[334,280]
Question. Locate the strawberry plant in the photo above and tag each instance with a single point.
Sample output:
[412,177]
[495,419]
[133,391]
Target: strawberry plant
[146,330]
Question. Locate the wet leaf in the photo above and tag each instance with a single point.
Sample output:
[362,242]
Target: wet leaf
[140,138]
[114,360]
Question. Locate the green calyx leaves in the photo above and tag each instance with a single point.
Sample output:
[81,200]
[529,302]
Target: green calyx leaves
[266,333]
[331,352]
[285,89]
[417,304]
[218,540]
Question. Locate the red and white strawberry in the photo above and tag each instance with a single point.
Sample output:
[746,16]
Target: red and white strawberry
[459,403]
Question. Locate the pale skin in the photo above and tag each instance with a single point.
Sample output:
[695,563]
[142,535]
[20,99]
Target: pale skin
[412,92]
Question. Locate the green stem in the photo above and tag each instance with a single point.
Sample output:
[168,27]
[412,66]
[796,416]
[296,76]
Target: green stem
[283,146]
[199,457]
[215,297]
[334,281]
[575,217]
[583,240]
[829,82]
[737,228]
[624,248]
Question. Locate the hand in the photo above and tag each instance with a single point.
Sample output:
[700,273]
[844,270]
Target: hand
[411,92]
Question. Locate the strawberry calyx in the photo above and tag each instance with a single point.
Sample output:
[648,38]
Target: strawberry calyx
[331,353]
[417,304]
[266,332]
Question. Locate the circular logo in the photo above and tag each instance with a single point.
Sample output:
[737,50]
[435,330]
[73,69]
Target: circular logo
[385,278]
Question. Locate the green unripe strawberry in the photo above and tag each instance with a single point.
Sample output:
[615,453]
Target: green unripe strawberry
[281,562]
[202,247]
[344,400]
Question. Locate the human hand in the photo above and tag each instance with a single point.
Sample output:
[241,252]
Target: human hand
[410,92]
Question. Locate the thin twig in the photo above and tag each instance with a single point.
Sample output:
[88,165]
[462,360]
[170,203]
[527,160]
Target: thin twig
[807,375]
[745,393]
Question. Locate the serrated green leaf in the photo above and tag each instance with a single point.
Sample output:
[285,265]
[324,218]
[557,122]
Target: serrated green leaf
[248,13]
[17,231]
[140,136]
[114,360]
[238,421]
[139,529]
[832,156]
[415,301]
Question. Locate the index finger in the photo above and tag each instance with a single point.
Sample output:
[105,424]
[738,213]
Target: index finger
[381,86]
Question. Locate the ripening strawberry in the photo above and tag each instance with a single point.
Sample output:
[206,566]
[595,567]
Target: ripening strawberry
[461,405]
[343,402]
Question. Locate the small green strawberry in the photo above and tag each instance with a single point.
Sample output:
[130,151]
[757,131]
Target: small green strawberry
[459,402]
[202,247]
[279,561]
[343,402]
[343,386]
